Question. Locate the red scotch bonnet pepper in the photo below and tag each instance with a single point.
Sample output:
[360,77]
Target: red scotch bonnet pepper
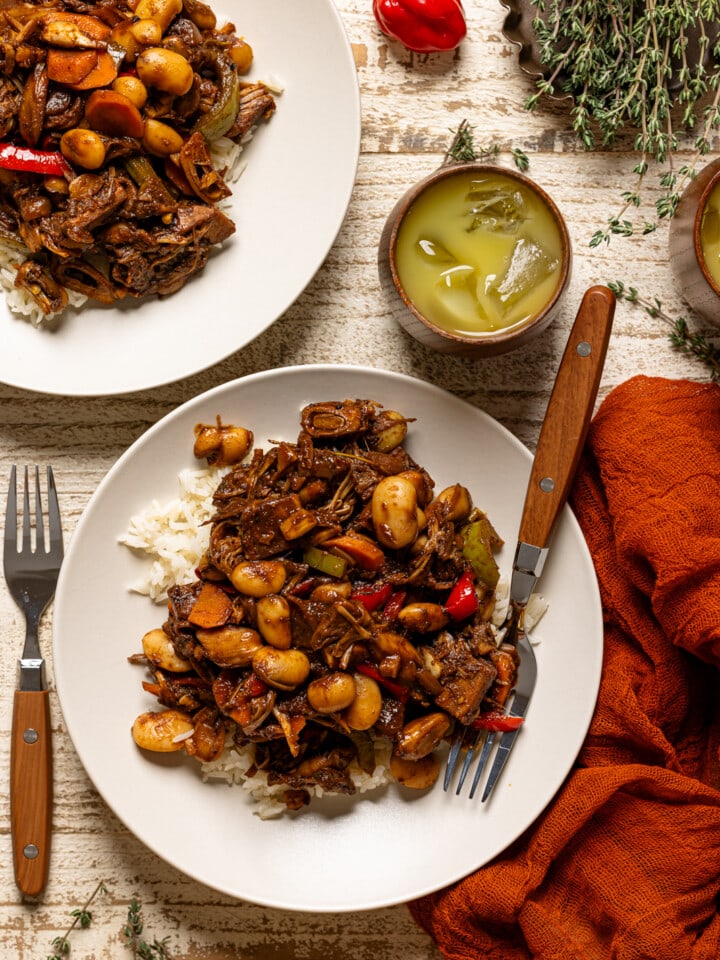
[425,26]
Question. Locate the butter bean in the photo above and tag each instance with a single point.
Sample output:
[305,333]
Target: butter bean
[147,33]
[423,617]
[282,669]
[392,432]
[231,646]
[159,650]
[84,148]
[258,578]
[160,139]
[161,11]
[132,88]
[331,592]
[365,709]
[273,621]
[332,693]
[415,774]
[165,70]
[419,737]
[162,731]
[457,502]
[394,512]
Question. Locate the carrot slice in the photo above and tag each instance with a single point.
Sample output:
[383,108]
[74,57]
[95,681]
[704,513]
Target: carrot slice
[101,75]
[70,66]
[212,607]
[365,552]
[112,113]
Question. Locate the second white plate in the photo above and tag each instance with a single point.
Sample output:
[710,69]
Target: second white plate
[287,206]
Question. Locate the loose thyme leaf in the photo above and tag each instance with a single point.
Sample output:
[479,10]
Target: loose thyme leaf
[463,149]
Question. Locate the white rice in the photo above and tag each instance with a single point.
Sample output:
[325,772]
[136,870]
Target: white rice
[19,301]
[174,535]
[534,611]
[269,801]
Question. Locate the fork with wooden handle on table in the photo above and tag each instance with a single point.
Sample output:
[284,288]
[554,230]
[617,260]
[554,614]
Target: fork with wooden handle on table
[31,574]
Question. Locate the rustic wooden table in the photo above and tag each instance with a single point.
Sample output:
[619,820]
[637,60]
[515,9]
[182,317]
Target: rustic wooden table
[410,104]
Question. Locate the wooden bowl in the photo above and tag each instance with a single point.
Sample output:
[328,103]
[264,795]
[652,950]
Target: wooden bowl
[696,285]
[425,330]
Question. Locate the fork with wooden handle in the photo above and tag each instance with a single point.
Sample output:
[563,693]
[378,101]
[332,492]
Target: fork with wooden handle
[31,576]
[560,445]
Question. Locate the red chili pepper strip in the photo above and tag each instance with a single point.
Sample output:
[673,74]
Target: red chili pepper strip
[373,597]
[48,162]
[496,722]
[255,687]
[397,690]
[462,602]
[394,606]
[424,26]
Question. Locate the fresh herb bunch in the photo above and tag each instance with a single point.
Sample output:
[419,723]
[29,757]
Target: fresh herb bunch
[681,337]
[463,150]
[648,66]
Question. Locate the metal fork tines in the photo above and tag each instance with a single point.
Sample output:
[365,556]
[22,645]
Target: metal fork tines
[466,744]
[31,572]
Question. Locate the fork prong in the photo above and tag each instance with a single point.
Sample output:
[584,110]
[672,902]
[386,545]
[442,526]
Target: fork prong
[11,512]
[487,747]
[452,758]
[39,521]
[467,761]
[26,545]
[54,522]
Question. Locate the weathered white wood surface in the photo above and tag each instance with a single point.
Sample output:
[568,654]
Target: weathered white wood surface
[410,104]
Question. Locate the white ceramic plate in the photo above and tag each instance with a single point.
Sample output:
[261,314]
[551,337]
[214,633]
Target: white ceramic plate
[288,207]
[339,854]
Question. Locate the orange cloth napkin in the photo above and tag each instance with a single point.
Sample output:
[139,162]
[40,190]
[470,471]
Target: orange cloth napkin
[624,864]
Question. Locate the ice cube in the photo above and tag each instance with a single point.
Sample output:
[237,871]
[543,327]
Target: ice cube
[457,309]
[434,252]
[495,208]
[456,303]
[529,265]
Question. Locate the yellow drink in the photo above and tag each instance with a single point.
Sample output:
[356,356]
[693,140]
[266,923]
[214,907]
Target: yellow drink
[479,253]
[710,235]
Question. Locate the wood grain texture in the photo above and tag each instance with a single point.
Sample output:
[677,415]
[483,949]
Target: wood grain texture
[410,104]
[31,789]
[567,418]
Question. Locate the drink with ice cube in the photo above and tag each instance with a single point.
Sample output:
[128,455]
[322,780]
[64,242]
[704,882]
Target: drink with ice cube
[478,253]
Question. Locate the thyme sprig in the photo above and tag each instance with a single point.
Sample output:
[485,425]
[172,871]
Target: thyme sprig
[681,337]
[82,918]
[132,931]
[648,66]
[462,149]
